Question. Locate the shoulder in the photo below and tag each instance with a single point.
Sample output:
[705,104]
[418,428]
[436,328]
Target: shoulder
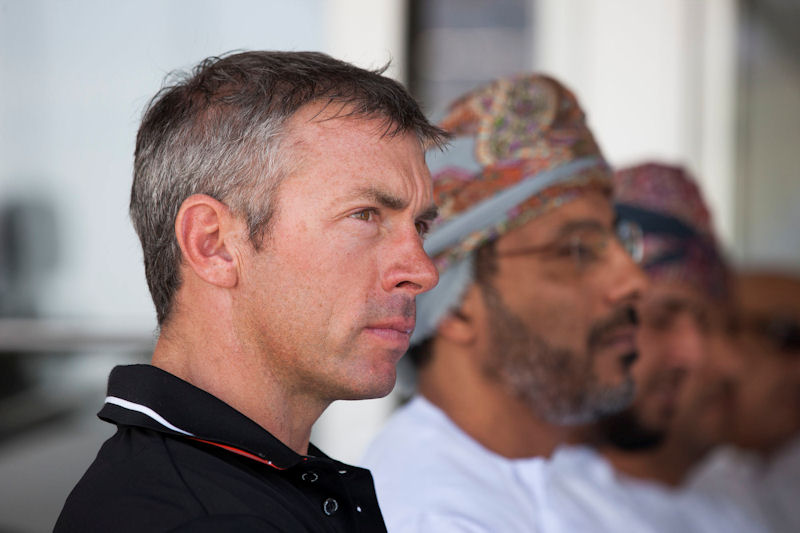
[430,476]
[418,429]
[134,483]
[582,492]
[419,442]
[145,481]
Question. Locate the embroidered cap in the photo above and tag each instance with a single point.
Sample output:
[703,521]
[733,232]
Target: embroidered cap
[532,152]
[679,240]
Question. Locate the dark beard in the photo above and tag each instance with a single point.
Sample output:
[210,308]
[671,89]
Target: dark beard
[557,384]
[625,432]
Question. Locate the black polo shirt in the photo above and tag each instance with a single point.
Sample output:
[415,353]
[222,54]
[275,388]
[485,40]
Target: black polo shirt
[183,460]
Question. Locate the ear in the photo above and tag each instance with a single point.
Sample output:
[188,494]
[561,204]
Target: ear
[460,326]
[206,231]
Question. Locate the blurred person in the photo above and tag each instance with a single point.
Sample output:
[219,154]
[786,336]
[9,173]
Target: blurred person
[531,328]
[761,467]
[768,407]
[629,471]
[280,198]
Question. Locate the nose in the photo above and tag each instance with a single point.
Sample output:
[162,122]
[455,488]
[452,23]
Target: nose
[626,281]
[407,266]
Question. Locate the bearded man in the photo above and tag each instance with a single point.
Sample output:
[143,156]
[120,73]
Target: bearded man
[632,470]
[531,327]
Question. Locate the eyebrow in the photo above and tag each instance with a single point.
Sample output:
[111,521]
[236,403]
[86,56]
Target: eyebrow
[384,199]
[576,225]
[674,305]
[430,213]
[395,203]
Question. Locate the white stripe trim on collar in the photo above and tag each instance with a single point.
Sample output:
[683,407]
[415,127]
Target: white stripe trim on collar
[125,404]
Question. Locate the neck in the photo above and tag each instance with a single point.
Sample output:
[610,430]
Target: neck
[670,463]
[486,411]
[240,376]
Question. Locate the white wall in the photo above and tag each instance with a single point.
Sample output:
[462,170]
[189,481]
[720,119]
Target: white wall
[769,204]
[75,78]
[657,80]
[368,33]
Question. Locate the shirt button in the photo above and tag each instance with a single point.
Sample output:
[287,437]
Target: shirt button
[330,506]
[311,477]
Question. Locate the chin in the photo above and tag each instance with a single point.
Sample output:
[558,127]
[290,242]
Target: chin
[376,385]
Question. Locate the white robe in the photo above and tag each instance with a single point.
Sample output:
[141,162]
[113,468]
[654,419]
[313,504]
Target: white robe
[432,477]
[585,493]
[770,488]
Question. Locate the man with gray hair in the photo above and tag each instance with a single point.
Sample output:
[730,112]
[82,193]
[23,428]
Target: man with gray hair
[531,327]
[280,199]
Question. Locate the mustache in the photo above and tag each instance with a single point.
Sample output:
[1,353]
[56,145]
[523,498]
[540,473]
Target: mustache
[622,317]
[396,306]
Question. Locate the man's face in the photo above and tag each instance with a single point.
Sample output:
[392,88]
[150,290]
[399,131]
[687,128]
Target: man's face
[672,339]
[329,298]
[560,320]
[680,336]
[704,413]
[768,403]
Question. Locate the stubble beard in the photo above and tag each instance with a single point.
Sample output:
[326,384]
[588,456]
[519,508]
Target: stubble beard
[558,384]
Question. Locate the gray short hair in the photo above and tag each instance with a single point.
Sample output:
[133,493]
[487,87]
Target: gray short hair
[218,131]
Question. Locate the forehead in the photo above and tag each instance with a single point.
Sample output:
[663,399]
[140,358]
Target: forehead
[590,208]
[334,126]
[323,142]
[675,295]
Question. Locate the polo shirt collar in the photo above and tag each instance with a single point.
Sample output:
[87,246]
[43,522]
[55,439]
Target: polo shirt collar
[148,397]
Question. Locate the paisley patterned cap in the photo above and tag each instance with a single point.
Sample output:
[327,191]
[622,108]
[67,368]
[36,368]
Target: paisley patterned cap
[524,128]
[532,152]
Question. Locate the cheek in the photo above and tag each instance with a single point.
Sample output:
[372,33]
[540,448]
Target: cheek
[648,345]
[559,316]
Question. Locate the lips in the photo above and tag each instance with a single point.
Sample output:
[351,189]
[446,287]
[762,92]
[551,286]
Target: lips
[629,358]
[395,331]
[402,325]
[617,332]
[623,339]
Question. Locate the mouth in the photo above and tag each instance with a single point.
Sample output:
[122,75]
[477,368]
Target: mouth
[616,334]
[621,340]
[394,331]
[629,358]
[667,388]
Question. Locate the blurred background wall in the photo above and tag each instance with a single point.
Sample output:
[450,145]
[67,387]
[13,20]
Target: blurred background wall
[712,84]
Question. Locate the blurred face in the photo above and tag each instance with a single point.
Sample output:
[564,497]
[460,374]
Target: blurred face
[560,314]
[329,298]
[768,403]
[673,337]
[704,414]
[679,371]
